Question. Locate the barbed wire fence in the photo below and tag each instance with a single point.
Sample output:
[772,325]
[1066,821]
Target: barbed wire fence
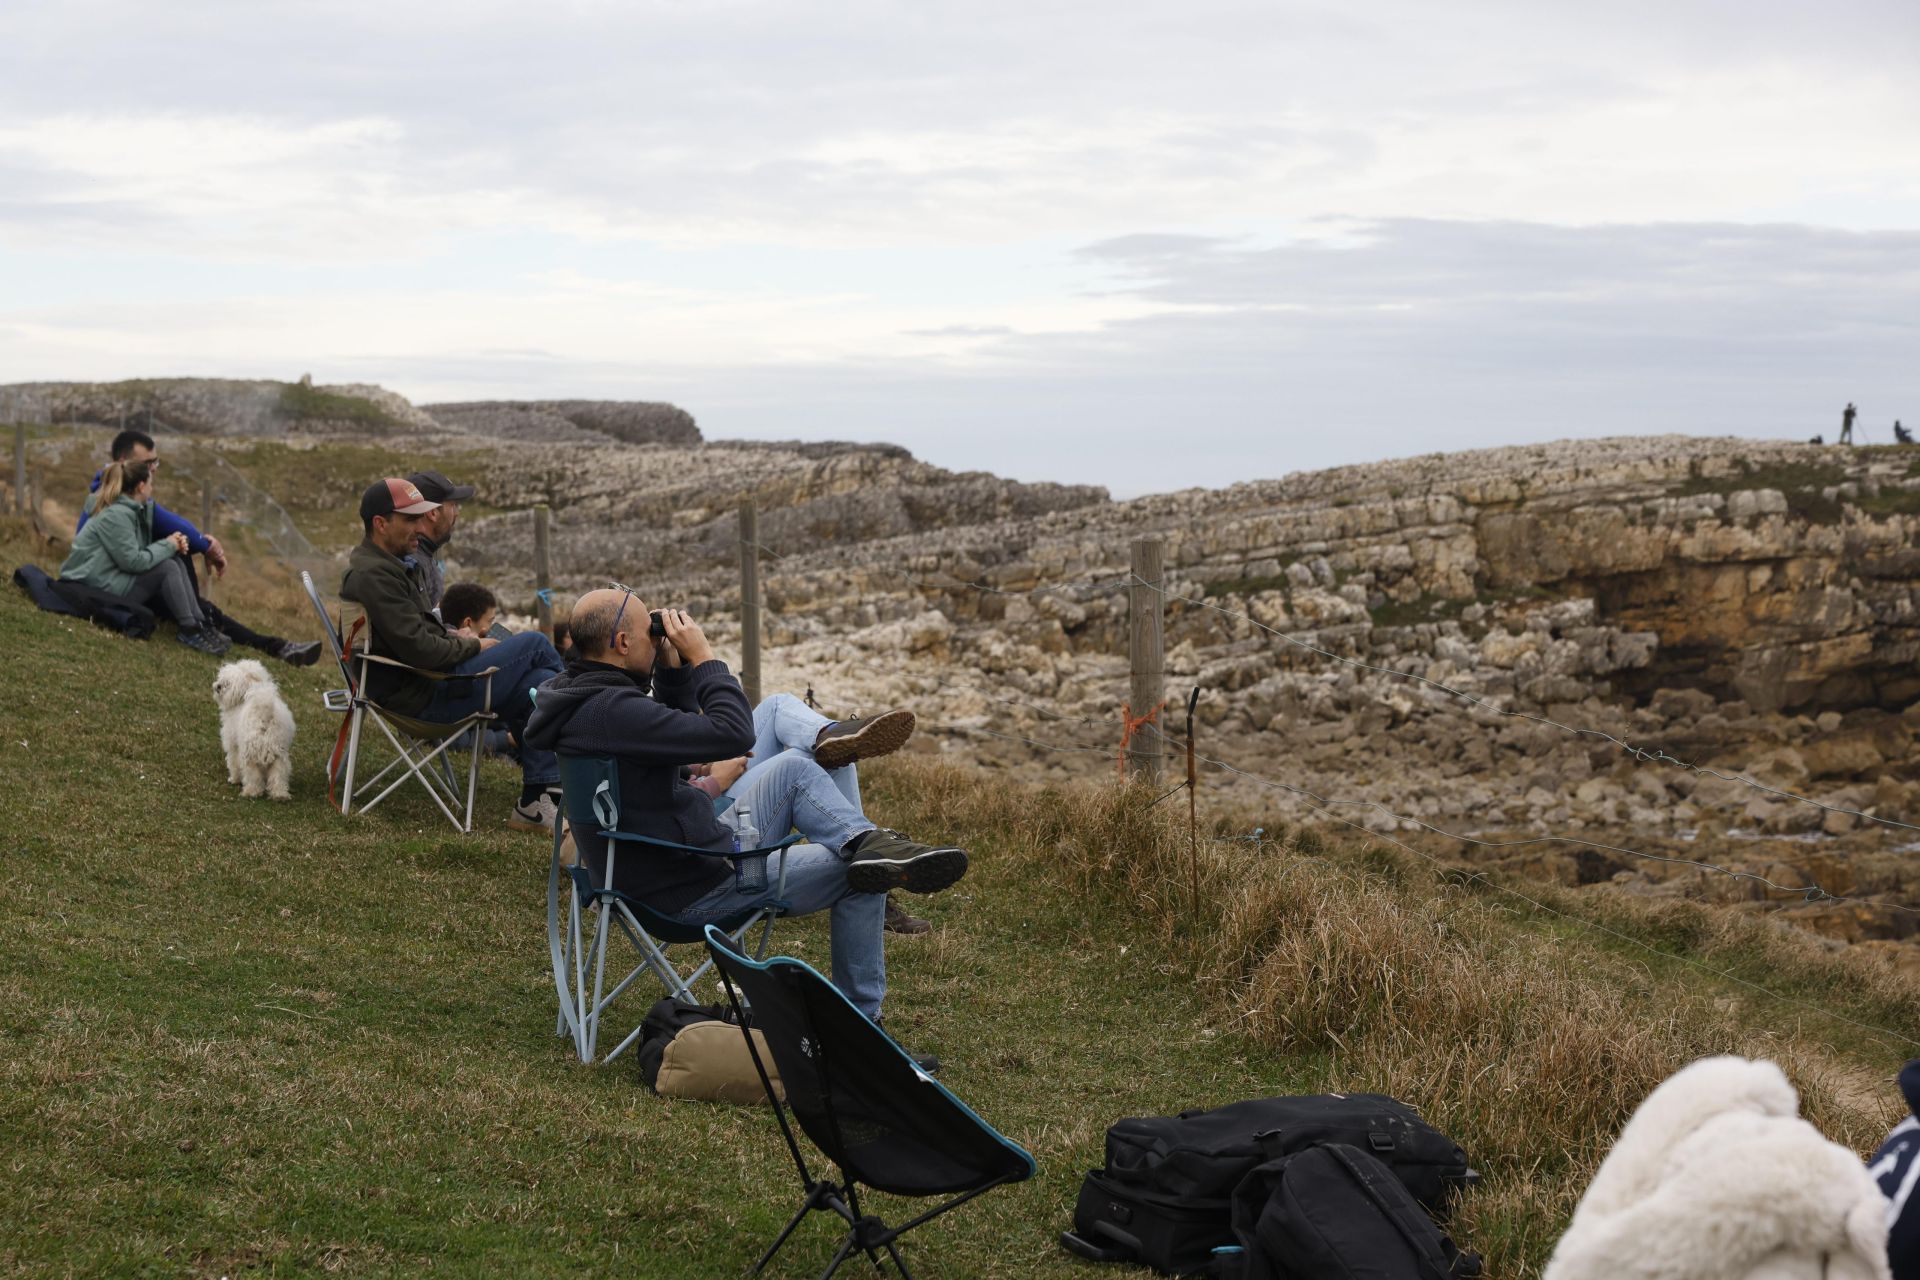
[1145,740]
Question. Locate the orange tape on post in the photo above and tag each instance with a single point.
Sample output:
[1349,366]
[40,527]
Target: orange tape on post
[1131,724]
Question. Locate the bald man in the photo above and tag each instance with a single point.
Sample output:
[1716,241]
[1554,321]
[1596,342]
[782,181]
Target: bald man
[698,715]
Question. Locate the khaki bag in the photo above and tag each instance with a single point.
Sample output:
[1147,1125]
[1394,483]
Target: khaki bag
[691,1051]
[709,1062]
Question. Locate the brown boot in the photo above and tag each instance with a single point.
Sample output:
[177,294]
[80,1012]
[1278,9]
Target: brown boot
[900,921]
[862,738]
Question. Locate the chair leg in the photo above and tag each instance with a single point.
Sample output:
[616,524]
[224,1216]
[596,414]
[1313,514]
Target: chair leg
[579,992]
[798,1217]
[359,714]
[599,978]
[473,774]
[840,1256]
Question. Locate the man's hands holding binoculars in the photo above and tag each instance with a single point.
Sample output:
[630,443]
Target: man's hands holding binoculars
[678,639]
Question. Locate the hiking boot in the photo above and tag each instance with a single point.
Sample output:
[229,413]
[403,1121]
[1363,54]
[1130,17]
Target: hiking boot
[862,738]
[298,653]
[884,860]
[899,921]
[204,640]
[537,816]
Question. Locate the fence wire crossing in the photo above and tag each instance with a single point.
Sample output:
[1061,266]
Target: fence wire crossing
[1644,755]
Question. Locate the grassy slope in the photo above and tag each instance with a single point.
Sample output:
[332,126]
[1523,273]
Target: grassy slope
[240,1035]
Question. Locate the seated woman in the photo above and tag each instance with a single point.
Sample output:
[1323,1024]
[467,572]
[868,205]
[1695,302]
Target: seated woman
[116,552]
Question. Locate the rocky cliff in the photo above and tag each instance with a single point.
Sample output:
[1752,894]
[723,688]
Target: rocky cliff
[1397,634]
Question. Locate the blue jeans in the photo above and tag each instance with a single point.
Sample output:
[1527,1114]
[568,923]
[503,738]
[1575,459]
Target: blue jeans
[783,722]
[817,881]
[526,661]
[787,790]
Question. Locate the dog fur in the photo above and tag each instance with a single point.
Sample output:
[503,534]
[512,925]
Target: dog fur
[256,730]
[1717,1178]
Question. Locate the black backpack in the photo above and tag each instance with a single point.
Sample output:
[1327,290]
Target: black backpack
[1165,1196]
[1335,1212]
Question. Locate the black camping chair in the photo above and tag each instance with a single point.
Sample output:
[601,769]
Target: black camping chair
[870,1109]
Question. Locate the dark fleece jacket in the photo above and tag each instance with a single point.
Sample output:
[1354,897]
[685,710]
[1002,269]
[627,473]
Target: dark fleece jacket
[696,715]
[404,629]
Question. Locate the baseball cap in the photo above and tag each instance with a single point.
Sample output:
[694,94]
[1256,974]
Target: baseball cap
[437,488]
[393,497]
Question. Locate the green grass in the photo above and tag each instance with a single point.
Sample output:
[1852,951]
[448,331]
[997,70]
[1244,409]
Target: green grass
[320,484]
[300,402]
[246,1037]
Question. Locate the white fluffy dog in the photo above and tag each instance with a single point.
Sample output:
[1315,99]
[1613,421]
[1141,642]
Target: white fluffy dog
[1717,1178]
[256,730]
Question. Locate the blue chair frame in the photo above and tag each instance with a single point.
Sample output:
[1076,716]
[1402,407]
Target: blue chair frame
[865,1103]
[591,789]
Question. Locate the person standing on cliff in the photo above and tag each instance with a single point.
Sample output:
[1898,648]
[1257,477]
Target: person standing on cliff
[436,530]
[1846,423]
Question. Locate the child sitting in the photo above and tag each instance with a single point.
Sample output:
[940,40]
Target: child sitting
[469,607]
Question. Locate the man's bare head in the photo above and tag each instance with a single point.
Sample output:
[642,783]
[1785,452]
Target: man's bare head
[592,623]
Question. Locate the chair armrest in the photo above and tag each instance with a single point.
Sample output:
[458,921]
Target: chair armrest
[422,671]
[629,837]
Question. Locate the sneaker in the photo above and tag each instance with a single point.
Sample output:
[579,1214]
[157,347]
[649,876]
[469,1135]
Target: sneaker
[537,816]
[298,653]
[862,738]
[886,860]
[204,640]
[899,921]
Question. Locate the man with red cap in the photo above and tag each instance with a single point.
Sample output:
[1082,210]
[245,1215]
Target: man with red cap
[403,628]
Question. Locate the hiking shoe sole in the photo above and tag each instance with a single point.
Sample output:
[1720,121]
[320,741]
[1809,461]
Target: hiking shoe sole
[878,737]
[928,872]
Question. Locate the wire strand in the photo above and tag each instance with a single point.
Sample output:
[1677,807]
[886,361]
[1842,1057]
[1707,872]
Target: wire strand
[1584,922]
[1810,893]
[1642,754]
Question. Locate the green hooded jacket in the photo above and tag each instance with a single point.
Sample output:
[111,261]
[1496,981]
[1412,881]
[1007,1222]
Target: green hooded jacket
[115,547]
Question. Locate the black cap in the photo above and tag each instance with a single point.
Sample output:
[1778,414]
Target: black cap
[437,488]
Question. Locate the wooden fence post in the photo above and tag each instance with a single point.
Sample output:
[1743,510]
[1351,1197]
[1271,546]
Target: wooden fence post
[542,572]
[20,467]
[750,601]
[1146,655]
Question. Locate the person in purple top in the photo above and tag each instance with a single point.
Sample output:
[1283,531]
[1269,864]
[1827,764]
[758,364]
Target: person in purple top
[137,446]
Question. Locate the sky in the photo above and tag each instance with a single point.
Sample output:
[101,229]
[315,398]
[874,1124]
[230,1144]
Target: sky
[1144,245]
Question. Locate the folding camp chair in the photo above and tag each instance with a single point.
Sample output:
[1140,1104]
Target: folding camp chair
[421,747]
[869,1107]
[591,803]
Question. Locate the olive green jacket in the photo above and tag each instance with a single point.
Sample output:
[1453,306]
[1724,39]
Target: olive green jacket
[116,546]
[403,628]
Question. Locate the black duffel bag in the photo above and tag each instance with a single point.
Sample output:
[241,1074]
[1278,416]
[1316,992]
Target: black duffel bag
[1165,1196]
[1335,1213]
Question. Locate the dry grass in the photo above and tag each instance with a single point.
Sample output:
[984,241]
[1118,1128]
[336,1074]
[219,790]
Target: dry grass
[1528,1036]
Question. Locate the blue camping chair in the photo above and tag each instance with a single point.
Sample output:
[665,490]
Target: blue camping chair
[591,804]
[884,1122]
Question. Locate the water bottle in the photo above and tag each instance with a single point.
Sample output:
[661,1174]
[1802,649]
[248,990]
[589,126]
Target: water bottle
[750,874]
